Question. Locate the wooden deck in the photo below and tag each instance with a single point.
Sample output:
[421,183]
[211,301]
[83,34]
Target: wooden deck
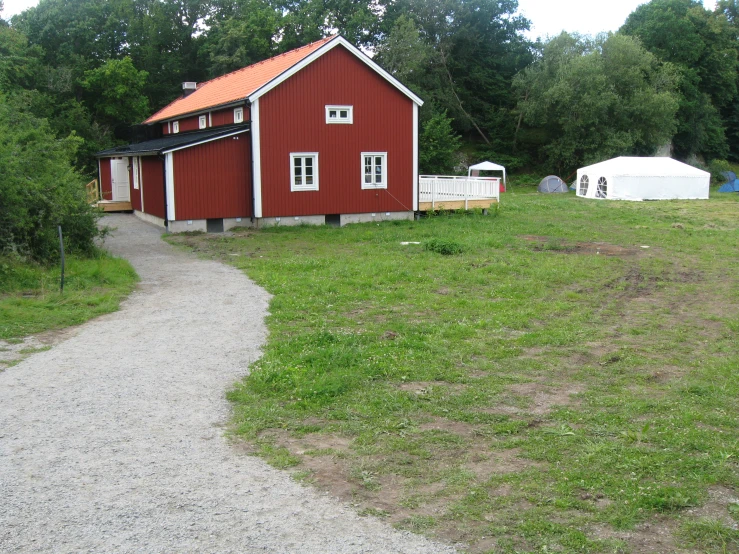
[456,204]
[449,192]
[114,206]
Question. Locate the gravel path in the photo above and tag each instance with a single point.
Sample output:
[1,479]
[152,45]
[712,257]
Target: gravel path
[112,441]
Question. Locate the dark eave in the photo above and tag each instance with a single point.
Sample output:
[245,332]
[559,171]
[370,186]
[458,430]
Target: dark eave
[170,142]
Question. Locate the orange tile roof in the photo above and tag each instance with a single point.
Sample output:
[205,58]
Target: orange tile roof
[236,85]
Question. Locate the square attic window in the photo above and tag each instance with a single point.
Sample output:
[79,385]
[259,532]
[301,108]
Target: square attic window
[340,114]
[239,115]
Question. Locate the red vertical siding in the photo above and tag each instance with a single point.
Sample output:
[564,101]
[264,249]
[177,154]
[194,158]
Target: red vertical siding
[135,193]
[226,116]
[293,119]
[189,124]
[213,180]
[106,183]
[165,128]
[152,174]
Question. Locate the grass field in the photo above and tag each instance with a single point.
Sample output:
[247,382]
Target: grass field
[30,301]
[555,386]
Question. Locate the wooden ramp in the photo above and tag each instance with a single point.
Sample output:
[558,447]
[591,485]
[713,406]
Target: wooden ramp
[114,206]
[456,204]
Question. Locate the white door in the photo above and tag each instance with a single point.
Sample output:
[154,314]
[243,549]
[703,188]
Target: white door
[119,175]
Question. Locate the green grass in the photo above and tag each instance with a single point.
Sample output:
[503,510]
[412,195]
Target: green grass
[550,385]
[30,301]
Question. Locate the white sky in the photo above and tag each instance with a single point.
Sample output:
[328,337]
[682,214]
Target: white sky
[587,17]
[548,17]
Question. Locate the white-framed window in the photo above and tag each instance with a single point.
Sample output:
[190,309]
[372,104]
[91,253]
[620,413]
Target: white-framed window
[374,170]
[584,183]
[601,191]
[239,115]
[303,171]
[175,126]
[203,122]
[340,114]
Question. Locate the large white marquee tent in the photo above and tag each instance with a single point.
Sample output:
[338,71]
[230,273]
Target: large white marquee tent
[628,178]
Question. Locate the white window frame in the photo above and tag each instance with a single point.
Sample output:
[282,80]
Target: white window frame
[300,188]
[239,115]
[373,185]
[203,122]
[348,120]
[175,127]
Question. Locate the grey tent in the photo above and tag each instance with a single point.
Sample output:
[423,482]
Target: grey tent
[552,183]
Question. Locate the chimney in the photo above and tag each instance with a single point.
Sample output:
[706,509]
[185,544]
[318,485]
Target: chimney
[188,88]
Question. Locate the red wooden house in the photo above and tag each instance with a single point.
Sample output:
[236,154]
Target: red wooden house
[320,134]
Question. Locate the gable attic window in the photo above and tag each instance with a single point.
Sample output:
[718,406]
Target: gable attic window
[203,122]
[239,115]
[374,170]
[340,114]
[303,171]
[175,126]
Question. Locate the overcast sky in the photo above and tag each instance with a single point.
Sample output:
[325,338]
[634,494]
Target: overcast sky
[548,17]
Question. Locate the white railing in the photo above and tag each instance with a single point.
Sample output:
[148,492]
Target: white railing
[438,189]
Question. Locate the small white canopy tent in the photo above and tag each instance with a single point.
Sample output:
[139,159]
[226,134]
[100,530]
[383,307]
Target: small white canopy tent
[486,166]
[628,178]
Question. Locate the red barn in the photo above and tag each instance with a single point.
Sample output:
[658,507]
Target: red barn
[320,134]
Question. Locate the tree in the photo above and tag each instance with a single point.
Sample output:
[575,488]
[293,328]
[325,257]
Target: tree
[437,145]
[115,93]
[39,189]
[703,47]
[595,99]
[476,47]
[247,36]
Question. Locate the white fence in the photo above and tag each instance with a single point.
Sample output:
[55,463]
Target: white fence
[438,189]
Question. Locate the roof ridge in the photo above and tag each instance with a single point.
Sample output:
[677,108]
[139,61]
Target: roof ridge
[292,51]
[295,52]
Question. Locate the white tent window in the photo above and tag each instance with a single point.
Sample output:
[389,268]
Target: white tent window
[602,190]
[584,182]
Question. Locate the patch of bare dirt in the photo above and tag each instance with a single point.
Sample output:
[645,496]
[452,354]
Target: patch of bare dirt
[544,398]
[455,427]
[653,537]
[424,387]
[717,506]
[489,464]
[552,244]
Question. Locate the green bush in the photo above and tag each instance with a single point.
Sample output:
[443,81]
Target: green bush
[716,168]
[39,189]
[443,246]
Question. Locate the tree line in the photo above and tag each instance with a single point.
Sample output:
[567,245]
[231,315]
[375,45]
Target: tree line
[85,71]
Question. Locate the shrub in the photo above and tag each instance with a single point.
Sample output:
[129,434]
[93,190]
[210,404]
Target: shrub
[717,168]
[39,189]
[443,246]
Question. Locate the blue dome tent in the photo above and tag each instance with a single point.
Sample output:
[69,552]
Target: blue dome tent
[733,183]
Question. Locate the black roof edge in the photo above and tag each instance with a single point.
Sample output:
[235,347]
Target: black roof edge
[168,142]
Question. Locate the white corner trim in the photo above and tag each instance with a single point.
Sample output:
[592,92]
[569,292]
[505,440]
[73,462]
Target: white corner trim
[219,137]
[256,156]
[373,186]
[330,45]
[210,119]
[169,165]
[302,188]
[415,157]
[169,127]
